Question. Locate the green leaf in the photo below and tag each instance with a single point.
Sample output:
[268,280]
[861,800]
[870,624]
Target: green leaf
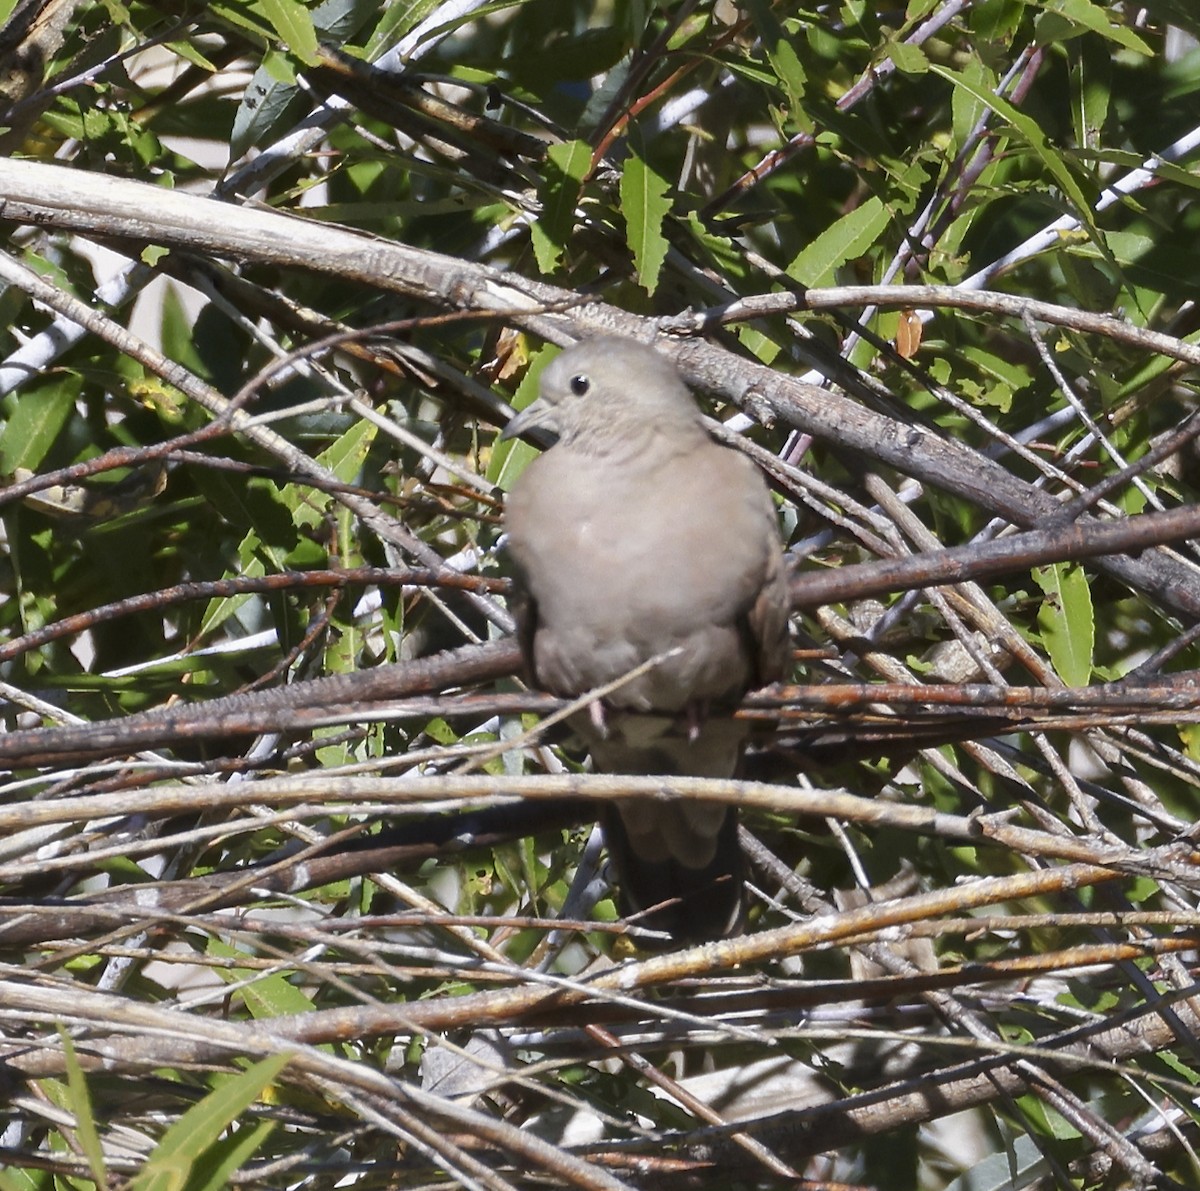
[1032,132]
[292,22]
[339,20]
[240,16]
[347,454]
[270,995]
[80,1105]
[1066,621]
[567,166]
[397,20]
[508,459]
[345,457]
[1064,19]
[1003,1169]
[909,59]
[228,1155]
[722,253]
[1178,1067]
[266,104]
[176,334]
[760,346]
[645,205]
[170,1165]
[789,71]
[1091,91]
[847,239]
[572,54]
[965,106]
[189,53]
[35,424]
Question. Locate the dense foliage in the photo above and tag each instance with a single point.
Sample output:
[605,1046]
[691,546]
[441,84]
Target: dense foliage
[251,439]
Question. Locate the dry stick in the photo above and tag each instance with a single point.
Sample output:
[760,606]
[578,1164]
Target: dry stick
[388,529]
[379,695]
[715,1006]
[1187,431]
[339,696]
[115,457]
[379,91]
[550,802]
[1040,1082]
[690,1102]
[623,107]
[240,714]
[847,100]
[442,1151]
[920,453]
[152,1027]
[1110,326]
[1098,1046]
[184,593]
[72,199]
[1015,553]
[338,858]
[989,699]
[948,1006]
[315,796]
[523,1002]
[827,1127]
[331,795]
[799,1133]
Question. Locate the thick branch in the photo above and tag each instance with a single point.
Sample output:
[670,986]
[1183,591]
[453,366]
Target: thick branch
[93,204]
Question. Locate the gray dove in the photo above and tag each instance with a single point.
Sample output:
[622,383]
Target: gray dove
[635,537]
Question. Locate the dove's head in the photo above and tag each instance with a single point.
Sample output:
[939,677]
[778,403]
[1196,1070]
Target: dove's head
[609,389]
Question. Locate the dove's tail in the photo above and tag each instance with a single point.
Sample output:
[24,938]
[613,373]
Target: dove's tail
[684,895]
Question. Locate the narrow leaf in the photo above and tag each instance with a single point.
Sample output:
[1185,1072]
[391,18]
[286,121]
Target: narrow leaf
[35,424]
[271,995]
[908,58]
[228,1156]
[508,459]
[1066,621]
[265,105]
[396,21]
[291,21]
[848,238]
[339,20]
[203,1123]
[1032,132]
[782,57]
[566,167]
[645,205]
[1085,15]
[81,1108]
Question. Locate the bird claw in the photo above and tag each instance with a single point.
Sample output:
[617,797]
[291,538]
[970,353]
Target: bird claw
[599,717]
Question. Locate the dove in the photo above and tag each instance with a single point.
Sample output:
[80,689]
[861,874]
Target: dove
[639,541]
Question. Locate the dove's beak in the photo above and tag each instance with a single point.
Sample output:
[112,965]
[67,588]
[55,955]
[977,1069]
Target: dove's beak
[538,415]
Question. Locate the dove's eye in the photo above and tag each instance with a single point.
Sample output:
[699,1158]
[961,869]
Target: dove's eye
[579,384]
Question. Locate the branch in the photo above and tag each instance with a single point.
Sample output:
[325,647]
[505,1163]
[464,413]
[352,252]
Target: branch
[99,205]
